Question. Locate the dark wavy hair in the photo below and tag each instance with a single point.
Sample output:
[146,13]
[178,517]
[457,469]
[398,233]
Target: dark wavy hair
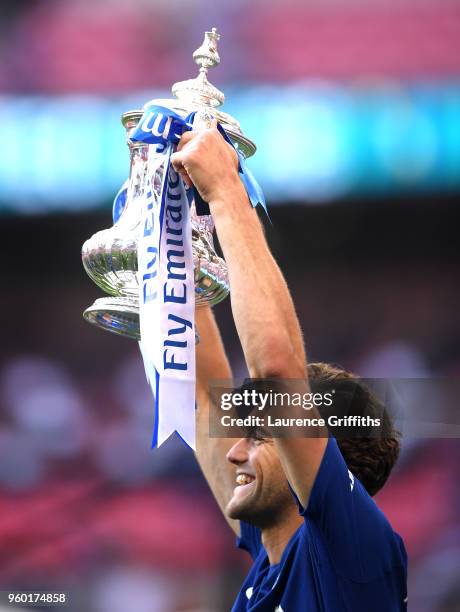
[369,457]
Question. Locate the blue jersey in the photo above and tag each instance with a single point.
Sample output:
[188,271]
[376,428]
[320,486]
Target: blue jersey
[344,557]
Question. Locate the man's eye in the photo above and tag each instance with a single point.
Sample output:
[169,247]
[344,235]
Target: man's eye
[258,439]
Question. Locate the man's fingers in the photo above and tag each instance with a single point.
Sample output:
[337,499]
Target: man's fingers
[186,138]
[176,160]
[187,180]
[191,134]
[196,145]
[177,163]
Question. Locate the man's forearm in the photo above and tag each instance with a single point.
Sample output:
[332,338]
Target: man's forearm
[261,304]
[211,360]
[211,365]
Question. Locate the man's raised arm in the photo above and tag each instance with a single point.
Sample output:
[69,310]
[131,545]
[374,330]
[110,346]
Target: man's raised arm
[212,364]
[261,303]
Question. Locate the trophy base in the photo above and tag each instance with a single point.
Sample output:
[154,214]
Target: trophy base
[119,315]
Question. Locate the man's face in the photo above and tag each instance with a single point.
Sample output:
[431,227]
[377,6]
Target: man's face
[261,495]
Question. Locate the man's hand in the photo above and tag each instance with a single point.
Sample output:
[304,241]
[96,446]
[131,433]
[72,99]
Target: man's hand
[206,160]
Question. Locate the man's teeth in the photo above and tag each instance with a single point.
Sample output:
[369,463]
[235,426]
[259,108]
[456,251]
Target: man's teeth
[243,479]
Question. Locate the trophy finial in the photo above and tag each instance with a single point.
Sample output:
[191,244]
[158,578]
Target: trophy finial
[200,89]
[207,55]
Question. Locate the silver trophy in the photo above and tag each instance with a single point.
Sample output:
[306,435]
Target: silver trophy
[110,256]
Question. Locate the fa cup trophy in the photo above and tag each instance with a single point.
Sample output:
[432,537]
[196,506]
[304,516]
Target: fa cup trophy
[158,260]
[110,257]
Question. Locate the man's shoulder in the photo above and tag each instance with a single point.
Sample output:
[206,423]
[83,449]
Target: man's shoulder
[347,525]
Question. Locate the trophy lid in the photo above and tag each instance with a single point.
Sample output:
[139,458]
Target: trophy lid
[200,95]
[199,90]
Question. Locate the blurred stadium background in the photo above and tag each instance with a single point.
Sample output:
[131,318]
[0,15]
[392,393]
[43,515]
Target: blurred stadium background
[362,176]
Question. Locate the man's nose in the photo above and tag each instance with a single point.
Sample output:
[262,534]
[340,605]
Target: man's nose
[239,452]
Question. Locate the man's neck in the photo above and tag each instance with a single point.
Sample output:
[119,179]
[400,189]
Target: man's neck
[276,537]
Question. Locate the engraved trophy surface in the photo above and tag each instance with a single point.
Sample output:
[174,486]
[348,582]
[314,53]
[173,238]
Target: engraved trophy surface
[110,256]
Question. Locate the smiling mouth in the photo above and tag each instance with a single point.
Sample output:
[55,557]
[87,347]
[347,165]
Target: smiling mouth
[244,479]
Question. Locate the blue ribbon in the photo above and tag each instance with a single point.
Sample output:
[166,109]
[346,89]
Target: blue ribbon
[253,189]
[161,126]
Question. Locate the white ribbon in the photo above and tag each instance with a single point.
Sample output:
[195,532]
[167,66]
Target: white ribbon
[167,300]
